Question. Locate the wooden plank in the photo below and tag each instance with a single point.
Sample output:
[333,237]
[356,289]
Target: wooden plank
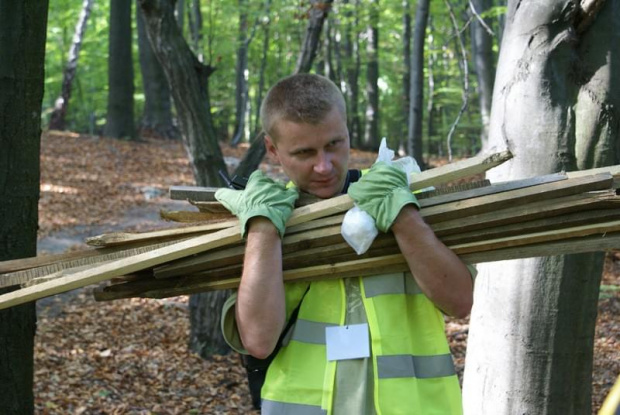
[538,225]
[14,265]
[195,193]
[56,268]
[538,237]
[531,211]
[517,197]
[118,238]
[188,216]
[388,263]
[120,267]
[491,189]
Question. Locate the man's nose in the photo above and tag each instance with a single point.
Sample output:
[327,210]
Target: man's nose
[323,163]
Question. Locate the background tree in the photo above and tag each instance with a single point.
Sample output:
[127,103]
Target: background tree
[57,120]
[484,62]
[416,83]
[556,106]
[120,116]
[22,57]
[157,115]
[371,130]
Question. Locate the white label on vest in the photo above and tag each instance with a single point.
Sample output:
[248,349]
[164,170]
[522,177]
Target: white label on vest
[347,342]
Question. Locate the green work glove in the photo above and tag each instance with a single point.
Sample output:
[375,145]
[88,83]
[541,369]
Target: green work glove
[382,193]
[261,197]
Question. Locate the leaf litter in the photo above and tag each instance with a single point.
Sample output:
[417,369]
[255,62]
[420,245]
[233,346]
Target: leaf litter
[131,356]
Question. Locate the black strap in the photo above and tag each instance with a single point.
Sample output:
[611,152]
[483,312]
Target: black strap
[353,175]
[257,368]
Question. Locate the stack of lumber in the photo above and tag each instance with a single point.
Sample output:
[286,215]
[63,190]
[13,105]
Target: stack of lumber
[546,215]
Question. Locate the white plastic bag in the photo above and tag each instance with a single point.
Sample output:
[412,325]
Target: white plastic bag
[358,227]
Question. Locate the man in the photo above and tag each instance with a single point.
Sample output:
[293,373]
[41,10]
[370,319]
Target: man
[359,345]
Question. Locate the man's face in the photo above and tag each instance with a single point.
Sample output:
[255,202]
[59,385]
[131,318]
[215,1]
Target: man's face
[314,157]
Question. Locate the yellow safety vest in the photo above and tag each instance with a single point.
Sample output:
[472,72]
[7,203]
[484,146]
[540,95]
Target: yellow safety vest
[412,365]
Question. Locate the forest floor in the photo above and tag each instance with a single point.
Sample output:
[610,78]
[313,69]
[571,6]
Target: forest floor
[131,356]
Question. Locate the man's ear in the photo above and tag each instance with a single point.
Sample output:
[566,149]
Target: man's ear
[272,150]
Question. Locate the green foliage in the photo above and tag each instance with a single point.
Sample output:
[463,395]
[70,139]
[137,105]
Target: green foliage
[286,22]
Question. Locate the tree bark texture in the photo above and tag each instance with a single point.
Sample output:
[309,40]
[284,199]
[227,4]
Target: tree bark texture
[157,116]
[556,103]
[120,120]
[23,26]
[188,81]
[58,117]
[316,17]
[482,47]
[371,130]
[416,91]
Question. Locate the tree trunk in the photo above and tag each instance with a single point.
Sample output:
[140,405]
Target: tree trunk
[57,119]
[482,47]
[531,336]
[179,14]
[241,91]
[188,80]
[195,26]
[371,130]
[407,70]
[316,17]
[23,26]
[416,93]
[352,59]
[261,73]
[120,122]
[157,117]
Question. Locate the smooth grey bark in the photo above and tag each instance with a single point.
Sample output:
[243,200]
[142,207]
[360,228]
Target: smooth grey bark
[371,138]
[416,91]
[58,117]
[556,93]
[316,17]
[157,116]
[23,27]
[119,119]
[482,50]
[179,14]
[189,80]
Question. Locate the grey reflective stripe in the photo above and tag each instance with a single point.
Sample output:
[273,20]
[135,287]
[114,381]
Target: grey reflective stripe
[421,367]
[283,408]
[398,283]
[307,331]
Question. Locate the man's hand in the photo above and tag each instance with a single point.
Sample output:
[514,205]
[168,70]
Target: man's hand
[261,197]
[382,193]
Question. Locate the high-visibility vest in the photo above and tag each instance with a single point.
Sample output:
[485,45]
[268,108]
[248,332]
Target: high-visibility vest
[412,366]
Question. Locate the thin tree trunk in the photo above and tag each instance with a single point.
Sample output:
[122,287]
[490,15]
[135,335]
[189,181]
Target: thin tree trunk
[241,91]
[530,343]
[188,80]
[430,107]
[416,93]
[120,121]
[352,59]
[195,26]
[482,46]
[406,4]
[23,26]
[157,116]
[261,73]
[371,130]
[58,117]
[179,14]
[316,17]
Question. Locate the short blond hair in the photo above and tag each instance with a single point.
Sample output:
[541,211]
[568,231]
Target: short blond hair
[300,98]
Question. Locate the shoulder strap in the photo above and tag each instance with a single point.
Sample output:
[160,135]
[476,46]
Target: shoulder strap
[257,368]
